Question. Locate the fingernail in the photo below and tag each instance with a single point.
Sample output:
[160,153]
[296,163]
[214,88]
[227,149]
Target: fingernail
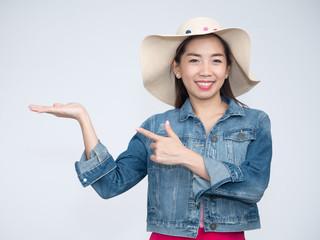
[137,129]
[167,122]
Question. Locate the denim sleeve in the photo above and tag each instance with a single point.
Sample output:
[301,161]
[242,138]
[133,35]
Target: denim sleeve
[248,181]
[111,177]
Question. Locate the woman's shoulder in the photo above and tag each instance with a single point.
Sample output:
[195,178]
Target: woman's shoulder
[256,115]
[238,108]
[254,111]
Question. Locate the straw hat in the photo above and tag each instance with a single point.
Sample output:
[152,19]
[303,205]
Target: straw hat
[158,51]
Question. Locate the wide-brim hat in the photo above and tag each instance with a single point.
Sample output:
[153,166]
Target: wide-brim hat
[158,51]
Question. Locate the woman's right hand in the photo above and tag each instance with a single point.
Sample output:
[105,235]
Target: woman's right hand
[70,110]
[75,111]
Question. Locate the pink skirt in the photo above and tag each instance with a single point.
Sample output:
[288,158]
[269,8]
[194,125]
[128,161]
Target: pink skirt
[202,235]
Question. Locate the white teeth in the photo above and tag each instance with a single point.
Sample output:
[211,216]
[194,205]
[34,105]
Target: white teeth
[205,84]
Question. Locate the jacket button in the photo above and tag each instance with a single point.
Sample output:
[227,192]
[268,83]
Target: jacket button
[241,135]
[214,139]
[213,226]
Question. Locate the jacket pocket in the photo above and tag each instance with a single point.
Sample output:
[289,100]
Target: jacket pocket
[232,211]
[237,141]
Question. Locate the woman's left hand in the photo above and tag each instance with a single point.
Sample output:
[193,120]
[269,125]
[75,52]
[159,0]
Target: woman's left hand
[168,150]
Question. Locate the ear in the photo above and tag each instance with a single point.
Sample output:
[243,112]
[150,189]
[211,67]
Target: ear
[228,70]
[176,69]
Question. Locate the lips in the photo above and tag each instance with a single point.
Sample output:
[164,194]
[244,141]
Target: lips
[205,85]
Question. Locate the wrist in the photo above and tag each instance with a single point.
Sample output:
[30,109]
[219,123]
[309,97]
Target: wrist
[83,116]
[189,157]
[195,163]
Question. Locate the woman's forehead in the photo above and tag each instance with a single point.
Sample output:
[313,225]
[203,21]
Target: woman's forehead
[207,43]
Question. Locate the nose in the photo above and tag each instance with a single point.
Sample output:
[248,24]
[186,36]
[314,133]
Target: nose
[205,69]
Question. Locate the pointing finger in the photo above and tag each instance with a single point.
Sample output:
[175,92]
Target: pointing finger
[148,134]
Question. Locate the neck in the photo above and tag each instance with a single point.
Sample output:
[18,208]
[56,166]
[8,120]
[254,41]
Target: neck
[208,107]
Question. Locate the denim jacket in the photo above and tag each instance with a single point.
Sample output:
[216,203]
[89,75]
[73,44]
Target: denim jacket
[237,155]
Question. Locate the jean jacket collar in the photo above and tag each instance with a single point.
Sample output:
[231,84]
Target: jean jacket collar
[234,109]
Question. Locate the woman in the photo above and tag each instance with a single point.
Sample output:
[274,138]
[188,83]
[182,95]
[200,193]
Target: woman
[208,160]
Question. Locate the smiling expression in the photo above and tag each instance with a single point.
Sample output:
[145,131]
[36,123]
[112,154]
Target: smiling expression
[203,68]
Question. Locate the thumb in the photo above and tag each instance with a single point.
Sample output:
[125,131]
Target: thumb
[169,130]
[57,105]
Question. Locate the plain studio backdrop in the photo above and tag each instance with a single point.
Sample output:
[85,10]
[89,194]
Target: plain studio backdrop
[88,52]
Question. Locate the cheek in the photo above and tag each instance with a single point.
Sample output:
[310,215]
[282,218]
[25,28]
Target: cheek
[221,83]
[221,73]
[189,72]
[185,82]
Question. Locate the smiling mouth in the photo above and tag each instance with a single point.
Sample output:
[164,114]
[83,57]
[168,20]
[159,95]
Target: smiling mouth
[205,84]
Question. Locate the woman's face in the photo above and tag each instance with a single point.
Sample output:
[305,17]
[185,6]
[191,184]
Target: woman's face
[203,68]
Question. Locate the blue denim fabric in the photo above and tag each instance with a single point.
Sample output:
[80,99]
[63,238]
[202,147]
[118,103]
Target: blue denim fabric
[237,155]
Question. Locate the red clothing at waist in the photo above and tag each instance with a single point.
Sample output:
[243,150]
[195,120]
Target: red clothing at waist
[202,235]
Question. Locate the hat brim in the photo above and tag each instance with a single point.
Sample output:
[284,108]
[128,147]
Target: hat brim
[158,51]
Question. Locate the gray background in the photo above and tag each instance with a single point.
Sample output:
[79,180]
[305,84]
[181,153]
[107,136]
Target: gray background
[88,52]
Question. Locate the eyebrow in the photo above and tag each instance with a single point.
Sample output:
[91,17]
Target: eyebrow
[198,55]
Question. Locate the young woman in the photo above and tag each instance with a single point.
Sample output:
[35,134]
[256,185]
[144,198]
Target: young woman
[207,160]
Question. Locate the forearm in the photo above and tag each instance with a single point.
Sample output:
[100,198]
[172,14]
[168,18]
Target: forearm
[110,177]
[195,163]
[90,138]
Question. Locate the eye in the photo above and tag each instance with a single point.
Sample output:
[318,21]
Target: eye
[193,60]
[216,61]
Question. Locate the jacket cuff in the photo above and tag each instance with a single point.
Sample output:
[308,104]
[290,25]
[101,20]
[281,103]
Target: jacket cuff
[222,172]
[99,164]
